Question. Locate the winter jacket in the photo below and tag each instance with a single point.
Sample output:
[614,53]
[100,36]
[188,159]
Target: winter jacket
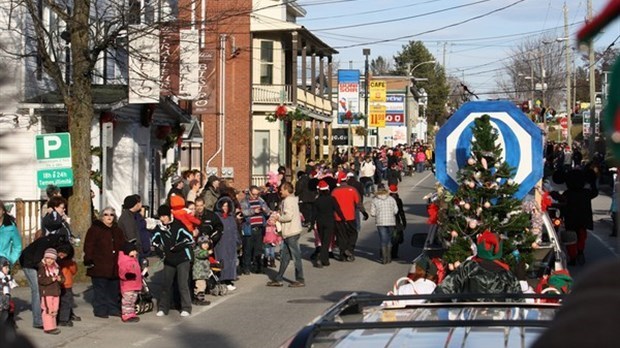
[47,286]
[367,170]
[101,247]
[177,203]
[128,264]
[175,242]
[32,255]
[479,277]
[10,240]
[324,210]
[577,208]
[210,197]
[420,157]
[201,267]
[53,223]
[393,176]
[210,223]
[384,209]
[303,191]
[401,220]
[349,200]
[128,224]
[290,217]
[358,186]
[68,268]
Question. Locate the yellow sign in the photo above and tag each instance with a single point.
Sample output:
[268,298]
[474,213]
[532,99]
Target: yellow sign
[376,115]
[378,91]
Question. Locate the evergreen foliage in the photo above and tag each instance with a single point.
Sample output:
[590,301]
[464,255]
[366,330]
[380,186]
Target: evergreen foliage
[484,201]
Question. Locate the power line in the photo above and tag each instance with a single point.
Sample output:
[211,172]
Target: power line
[435,30]
[392,20]
[370,12]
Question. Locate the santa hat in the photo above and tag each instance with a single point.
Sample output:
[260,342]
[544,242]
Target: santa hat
[342,176]
[314,174]
[323,186]
[489,246]
[393,188]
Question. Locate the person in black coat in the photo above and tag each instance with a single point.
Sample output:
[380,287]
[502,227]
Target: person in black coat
[401,222]
[306,196]
[576,207]
[353,182]
[30,259]
[393,175]
[323,216]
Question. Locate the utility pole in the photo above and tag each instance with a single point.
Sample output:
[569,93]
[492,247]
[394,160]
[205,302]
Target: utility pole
[592,89]
[569,138]
[366,53]
[542,88]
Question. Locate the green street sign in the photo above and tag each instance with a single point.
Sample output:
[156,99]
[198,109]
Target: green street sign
[53,150]
[61,177]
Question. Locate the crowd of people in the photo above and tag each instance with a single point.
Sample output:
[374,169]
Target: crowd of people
[209,235]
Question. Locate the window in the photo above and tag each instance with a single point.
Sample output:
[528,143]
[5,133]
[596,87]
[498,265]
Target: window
[266,62]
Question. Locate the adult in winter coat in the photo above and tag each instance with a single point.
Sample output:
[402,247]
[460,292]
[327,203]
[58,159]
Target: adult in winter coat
[56,221]
[306,196]
[290,218]
[133,225]
[323,216]
[10,240]
[226,249]
[210,193]
[210,224]
[29,260]
[367,174]
[350,202]
[384,208]
[482,274]
[174,243]
[103,241]
[576,206]
[401,222]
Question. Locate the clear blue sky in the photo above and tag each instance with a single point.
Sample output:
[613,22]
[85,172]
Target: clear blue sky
[473,50]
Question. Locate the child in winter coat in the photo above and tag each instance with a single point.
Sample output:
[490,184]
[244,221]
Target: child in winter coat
[131,282]
[68,268]
[7,309]
[200,270]
[271,239]
[49,279]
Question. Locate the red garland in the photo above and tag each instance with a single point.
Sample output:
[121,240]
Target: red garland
[433,211]
[348,115]
[281,112]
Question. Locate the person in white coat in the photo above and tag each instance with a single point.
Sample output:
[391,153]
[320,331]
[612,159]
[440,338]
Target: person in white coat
[384,208]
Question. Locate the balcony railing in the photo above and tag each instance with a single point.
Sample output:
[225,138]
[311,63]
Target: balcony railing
[272,94]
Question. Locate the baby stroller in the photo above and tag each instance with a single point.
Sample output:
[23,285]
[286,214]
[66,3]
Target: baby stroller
[214,286]
[144,303]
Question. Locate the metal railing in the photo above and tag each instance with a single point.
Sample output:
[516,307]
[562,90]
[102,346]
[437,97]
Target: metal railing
[272,94]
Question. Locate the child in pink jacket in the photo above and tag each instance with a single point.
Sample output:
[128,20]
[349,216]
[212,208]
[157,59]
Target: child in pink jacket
[131,281]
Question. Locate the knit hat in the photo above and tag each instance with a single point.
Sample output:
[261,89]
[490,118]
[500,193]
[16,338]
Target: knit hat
[130,201]
[128,247]
[175,180]
[203,239]
[4,262]
[425,263]
[164,210]
[50,253]
[393,188]
[561,280]
[489,246]
[323,186]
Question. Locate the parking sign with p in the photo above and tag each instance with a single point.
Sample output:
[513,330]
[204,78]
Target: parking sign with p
[54,160]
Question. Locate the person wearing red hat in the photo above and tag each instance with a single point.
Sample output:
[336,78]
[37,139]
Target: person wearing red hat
[323,216]
[483,273]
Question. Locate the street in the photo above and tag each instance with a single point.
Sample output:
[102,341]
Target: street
[255,315]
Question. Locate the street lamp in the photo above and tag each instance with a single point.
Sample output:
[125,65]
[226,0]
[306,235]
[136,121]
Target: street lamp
[415,67]
[366,53]
[422,94]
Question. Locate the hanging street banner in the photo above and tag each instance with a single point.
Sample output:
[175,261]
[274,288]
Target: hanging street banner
[188,64]
[143,75]
[53,152]
[520,139]
[205,102]
[348,94]
[395,110]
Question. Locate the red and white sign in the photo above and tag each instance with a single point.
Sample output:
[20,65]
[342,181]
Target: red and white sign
[398,118]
